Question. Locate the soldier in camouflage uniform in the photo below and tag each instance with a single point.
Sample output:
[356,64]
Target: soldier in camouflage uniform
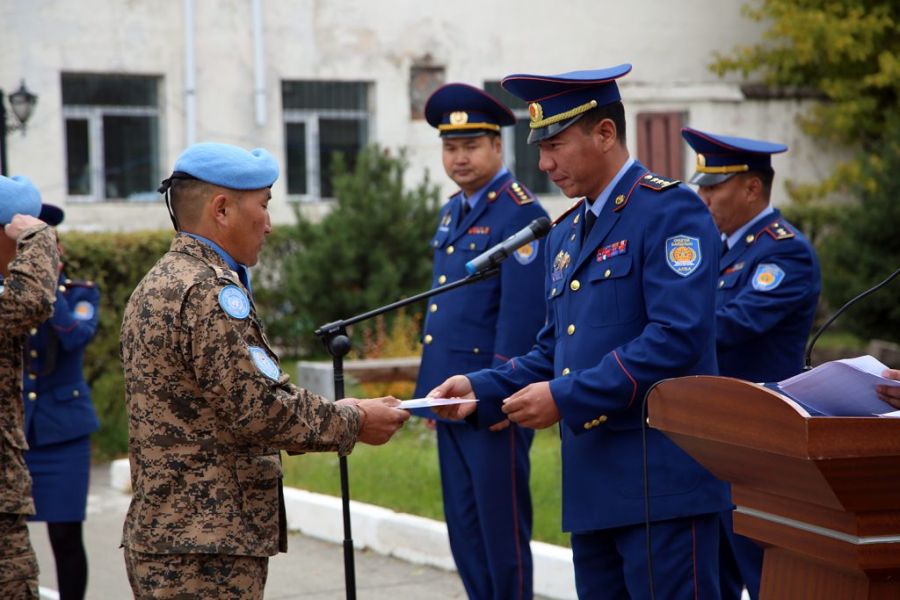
[28,264]
[208,406]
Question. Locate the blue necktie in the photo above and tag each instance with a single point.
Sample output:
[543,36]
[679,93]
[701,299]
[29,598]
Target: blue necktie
[589,219]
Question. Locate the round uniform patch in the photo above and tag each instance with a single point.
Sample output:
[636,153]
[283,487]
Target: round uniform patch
[683,254]
[234,302]
[527,253]
[84,311]
[767,277]
[264,363]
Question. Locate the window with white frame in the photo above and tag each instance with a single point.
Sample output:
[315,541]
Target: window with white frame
[322,118]
[519,156]
[112,136]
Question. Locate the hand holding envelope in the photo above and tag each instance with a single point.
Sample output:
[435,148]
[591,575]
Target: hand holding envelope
[459,388]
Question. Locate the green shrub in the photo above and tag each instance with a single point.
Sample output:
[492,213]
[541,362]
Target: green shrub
[116,262]
[370,249]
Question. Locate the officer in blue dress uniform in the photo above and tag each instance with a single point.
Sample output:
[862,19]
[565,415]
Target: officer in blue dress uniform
[766,296]
[630,289]
[484,473]
[59,418]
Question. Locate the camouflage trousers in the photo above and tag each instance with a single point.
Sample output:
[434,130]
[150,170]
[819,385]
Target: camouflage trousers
[195,576]
[18,564]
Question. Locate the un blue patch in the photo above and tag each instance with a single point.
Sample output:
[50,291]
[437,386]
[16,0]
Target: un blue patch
[767,277]
[683,254]
[234,302]
[527,253]
[264,363]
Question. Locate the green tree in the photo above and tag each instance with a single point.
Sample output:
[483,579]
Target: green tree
[864,248]
[847,52]
[370,249]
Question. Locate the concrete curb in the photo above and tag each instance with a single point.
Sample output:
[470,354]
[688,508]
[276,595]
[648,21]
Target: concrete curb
[408,537]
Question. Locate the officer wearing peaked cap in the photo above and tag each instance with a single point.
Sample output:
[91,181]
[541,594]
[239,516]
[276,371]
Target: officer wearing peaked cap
[59,418]
[630,280]
[766,294]
[208,406]
[484,472]
[28,270]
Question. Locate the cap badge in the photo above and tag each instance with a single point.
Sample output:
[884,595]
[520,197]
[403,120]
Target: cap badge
[459,117]
[536,112]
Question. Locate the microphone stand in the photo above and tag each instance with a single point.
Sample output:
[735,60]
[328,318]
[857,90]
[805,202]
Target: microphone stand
[337,342]
[807,361]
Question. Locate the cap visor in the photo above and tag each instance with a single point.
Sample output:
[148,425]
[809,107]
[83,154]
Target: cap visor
[470,133]
[705,179]
[544,133]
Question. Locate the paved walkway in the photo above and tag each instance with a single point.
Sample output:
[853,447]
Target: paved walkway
[311,568]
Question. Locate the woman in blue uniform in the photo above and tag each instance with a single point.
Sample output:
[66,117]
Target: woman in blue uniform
[59,418]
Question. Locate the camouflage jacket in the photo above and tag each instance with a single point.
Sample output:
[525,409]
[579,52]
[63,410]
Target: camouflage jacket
[208,411]
[26,300]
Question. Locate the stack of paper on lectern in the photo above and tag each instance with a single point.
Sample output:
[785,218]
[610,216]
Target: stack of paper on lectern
[842,388]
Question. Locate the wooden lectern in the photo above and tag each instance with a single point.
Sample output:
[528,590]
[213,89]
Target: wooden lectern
[822,494]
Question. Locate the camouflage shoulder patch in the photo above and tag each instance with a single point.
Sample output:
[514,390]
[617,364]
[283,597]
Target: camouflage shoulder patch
[225,274]
[780,231]
[568,211]
[658,183]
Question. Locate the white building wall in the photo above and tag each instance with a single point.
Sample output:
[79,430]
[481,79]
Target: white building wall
[670,45]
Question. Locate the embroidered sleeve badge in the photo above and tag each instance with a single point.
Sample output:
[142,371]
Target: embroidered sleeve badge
[264,363]
[767,277]
[527,253]
[234,302]
[84,311]
[683,254]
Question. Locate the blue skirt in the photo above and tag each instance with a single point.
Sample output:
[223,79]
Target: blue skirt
[60,474]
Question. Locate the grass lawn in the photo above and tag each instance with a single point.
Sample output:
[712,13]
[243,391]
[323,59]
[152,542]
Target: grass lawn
[403,475]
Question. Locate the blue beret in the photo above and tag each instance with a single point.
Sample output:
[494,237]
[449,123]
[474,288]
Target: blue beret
[460,110]
[51,215]
[18,196]
[721,156]
[557,101]
[227,166]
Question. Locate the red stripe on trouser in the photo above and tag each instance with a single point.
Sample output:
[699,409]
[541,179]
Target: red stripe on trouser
[694,553]
[515,508]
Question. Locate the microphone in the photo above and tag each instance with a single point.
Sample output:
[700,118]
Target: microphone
[494,256]
[807,362]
